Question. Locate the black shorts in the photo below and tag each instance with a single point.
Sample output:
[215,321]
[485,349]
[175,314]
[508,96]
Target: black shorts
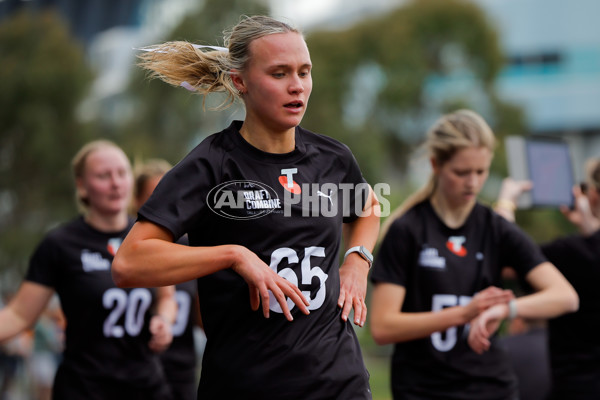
[184,390]
[69,385]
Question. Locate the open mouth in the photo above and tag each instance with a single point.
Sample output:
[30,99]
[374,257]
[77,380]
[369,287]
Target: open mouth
[294,104]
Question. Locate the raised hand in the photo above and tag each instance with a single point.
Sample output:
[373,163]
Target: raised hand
[581,215]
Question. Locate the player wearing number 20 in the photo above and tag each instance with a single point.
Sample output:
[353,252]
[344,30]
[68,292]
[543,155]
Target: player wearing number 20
[437,276]
[111,338]
[238,197]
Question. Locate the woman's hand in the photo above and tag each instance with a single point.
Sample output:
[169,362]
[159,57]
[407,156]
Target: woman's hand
[484,326]
[261,279]
[353,288]
[581,216]
[509,194]
[511,189]
[485,299]
[162,336]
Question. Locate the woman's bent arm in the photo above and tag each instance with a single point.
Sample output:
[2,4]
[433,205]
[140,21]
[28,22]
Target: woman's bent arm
[554,294]
[390,325]
[149,258]
[24,309]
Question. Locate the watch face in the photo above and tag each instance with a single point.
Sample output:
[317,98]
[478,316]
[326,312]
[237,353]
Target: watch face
[362,252]
[366,254]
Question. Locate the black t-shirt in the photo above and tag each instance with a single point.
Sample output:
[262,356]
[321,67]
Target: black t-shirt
[443,267]
[107,327]
[574,343]
[228,192]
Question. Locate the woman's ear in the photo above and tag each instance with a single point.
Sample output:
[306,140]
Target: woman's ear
[238,81]
[80,187]
[434,165]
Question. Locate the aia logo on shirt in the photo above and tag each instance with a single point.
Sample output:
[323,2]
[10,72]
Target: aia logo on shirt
[113,245]
[287,180]
[455,245]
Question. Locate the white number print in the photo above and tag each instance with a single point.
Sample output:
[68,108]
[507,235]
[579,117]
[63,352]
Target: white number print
[307,272]
[184,302]
[133,305]
[438,303]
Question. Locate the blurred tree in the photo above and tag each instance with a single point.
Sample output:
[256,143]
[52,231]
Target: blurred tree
[168,121]
[43,77]
[379,84]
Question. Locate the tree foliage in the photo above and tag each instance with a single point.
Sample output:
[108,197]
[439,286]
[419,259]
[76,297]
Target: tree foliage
[389,70]
[168,121]
[405,48]
[43,77]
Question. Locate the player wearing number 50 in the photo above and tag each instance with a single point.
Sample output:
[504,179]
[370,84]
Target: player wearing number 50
[437,276]
[111,338]
[252,200]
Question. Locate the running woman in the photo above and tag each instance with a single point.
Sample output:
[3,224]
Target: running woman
[263,203]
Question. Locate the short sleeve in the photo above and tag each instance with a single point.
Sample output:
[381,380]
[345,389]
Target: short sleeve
[556,252]
[517,249]
[180,197]
[359,189]
[43,264]
[394,256]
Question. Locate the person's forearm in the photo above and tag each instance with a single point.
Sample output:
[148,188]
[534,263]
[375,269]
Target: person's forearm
[548,303]
[402,326]
[167,306]
[554,294]
[157,262]
[10,324]
[23,309]
[505,210]
[364,230]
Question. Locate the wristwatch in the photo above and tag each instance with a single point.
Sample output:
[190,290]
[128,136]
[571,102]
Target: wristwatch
[363,252]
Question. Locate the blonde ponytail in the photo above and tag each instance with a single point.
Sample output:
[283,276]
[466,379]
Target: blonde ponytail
[207,69]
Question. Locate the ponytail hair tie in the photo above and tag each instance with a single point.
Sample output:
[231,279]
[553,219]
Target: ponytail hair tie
[197,46]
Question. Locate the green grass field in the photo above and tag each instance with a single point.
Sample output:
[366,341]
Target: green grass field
[379,368]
